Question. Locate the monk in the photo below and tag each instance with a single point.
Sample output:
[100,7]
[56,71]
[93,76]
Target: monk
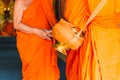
[99,56]
[34,42]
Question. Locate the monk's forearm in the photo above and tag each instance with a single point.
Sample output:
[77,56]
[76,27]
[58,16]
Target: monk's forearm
[25,28]
[46,34]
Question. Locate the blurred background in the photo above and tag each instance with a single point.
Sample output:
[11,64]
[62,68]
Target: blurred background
[6,18]
[10,63]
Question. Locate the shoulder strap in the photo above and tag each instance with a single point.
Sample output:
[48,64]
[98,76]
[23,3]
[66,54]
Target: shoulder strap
[94,13]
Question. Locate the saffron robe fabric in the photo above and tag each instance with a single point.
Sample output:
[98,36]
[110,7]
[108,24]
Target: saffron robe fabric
[99,56]
[39,59]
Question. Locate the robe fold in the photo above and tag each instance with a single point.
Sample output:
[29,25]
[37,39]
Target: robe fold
[99,56]
[39,59]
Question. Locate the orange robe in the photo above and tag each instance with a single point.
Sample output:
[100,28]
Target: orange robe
[39,59]
[99,56]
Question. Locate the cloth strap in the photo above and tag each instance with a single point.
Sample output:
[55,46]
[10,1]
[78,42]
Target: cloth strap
[92,16]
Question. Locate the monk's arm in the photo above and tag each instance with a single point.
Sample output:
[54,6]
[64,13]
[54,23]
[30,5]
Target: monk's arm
[19,7]
[18,12]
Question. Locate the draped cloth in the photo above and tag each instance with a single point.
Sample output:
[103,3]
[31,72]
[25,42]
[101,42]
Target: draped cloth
[98,57]
[39,59]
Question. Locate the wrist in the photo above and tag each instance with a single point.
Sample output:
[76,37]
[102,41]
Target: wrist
[35,30]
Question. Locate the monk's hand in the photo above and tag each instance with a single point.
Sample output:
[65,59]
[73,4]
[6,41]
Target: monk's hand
[45,34]
[49,33]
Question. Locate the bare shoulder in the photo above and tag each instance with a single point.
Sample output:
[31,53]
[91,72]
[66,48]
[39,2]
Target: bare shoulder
[23,3]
